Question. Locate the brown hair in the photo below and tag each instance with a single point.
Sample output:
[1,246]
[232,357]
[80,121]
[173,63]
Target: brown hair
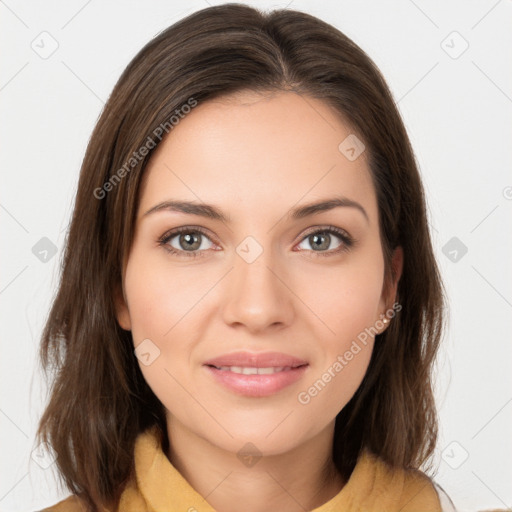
[99,400]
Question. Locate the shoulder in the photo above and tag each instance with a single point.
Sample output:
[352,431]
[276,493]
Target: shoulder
[447,504]
[70,504]
[419,484]
[401,488]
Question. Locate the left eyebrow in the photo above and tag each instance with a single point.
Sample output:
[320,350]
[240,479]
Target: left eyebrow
[215,213]
[325,205]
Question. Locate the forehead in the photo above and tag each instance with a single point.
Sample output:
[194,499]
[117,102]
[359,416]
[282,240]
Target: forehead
[251,151]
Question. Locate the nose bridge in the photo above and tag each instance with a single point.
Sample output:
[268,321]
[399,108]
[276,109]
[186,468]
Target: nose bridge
[257,295]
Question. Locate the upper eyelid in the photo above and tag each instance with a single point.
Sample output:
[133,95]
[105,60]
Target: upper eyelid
[171,233]
[326,227]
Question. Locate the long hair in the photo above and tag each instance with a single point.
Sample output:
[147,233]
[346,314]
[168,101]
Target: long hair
[99,401]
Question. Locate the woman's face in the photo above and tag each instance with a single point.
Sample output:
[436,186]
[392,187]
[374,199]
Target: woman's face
[259,279]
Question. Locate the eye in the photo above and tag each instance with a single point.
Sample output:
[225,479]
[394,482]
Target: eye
[186,241]
[321,239]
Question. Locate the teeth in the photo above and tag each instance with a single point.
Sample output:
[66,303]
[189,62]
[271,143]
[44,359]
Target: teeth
[254,371]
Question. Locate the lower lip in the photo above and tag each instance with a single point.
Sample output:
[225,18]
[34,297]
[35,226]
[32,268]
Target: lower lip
[257,385]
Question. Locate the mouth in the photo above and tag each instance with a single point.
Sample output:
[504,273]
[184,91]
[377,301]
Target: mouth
[252,370]
[256,375]
[263,360]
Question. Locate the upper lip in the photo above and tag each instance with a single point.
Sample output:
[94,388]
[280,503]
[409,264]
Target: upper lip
[256,360]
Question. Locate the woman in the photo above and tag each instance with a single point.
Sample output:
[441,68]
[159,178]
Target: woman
[249,308]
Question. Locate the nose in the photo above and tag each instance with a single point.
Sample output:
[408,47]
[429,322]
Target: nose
[259,294]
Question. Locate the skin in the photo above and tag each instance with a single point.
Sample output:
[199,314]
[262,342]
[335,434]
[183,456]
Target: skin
[256,157]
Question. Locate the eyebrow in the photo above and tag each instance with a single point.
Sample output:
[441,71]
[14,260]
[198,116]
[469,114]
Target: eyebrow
[215,213]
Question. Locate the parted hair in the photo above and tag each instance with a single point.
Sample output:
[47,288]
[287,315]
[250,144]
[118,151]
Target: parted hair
[98,400]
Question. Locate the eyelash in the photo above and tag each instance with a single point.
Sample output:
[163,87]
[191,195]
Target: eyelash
[348,241]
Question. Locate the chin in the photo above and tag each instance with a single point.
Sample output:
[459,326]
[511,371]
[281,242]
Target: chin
[271,436]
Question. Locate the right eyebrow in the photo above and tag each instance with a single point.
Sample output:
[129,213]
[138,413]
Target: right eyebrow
[201,209]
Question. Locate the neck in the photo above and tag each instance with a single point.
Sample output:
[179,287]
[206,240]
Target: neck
[302,479]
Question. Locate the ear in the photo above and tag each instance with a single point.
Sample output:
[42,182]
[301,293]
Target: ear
[390,288]
[122,311]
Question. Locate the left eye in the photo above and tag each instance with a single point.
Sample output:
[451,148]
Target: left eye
[321,240]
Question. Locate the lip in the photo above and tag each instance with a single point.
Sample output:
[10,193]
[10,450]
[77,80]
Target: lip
[256,385]
[256,360]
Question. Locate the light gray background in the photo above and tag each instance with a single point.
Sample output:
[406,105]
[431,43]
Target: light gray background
[457,108]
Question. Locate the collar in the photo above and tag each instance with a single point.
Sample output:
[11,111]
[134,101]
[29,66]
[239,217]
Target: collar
[373,486]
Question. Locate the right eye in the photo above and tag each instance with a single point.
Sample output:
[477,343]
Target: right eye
[185,241]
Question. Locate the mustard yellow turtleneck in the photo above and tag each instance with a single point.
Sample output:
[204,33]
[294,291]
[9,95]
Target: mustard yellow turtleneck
[372,487]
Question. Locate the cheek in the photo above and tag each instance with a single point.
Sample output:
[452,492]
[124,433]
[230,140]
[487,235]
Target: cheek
[344,351]
[165,304]
[347,303]
[158,312]
[159,296]
[346,299]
